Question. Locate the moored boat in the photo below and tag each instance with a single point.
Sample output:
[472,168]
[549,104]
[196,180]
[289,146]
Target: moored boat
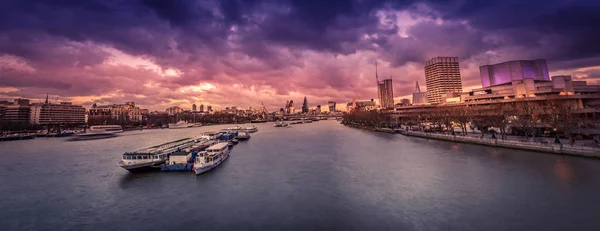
[281,124]
[180,124]
[152,157]
[99,132]
[211,158]
[251,128]
[212,135]
[243,136]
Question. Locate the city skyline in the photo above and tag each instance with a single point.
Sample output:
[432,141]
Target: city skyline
[165,55]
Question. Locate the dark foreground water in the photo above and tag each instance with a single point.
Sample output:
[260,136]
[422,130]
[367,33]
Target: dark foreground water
[320,176]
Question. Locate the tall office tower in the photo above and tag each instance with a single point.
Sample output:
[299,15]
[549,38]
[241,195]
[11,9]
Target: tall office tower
[385,91]
[506,72]
[292,111]
[442,75]
[209,108]
[331,106]
[305,106]
[201,107]
[193,107]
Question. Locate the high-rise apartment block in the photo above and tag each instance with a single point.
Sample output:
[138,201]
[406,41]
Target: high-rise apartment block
[385,91]
[442,75]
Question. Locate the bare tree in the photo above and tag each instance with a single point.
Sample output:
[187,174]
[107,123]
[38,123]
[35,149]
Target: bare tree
[460,115]
[527,116]
[499,117]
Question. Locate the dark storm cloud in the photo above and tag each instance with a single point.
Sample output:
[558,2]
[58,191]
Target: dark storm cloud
[275,44]
[560,30]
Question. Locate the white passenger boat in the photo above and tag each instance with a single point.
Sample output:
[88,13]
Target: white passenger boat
[280,124]
[152,157]
[211,158]
[210,135]
[234,128]
[99,132]
[251,129]
[106,128]
[243,135]
[180,124]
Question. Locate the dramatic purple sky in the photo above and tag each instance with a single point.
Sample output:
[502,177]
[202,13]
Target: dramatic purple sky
[161,53]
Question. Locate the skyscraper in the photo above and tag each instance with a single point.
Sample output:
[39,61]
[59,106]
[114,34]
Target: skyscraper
[305,106]
[201,107]
[331,106]
[385,91]
[193,107]
[442,75]
[292,110]
[209,108]
[287,107]
[513,70]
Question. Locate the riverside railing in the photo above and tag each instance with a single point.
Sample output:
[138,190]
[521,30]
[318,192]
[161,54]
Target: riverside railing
[523,144]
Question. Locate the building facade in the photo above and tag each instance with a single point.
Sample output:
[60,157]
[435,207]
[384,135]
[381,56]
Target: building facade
[121,112]
[305,106]
[331,105]
[194,107]
[442,75]
[361,106]
[385,91]
[174,110]
[506,72]
[529,88]
[62,113]
[17,114]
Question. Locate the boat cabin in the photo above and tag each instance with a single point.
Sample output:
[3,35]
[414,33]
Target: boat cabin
[179,157]
[143,156]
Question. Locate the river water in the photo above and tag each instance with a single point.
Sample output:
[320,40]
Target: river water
[319,176]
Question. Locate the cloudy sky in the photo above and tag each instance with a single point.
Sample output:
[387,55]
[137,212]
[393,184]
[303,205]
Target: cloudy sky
[161,53]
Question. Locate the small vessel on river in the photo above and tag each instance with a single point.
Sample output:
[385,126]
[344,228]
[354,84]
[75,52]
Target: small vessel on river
[281,124]
[211,158]
[243,135]
[99,132]
[251,129]
[180,124]
[153,157]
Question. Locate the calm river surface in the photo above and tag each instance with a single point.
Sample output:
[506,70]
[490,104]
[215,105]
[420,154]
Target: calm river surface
[319,176]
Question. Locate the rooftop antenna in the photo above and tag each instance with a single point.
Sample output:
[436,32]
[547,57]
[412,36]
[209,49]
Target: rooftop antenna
[46,98]
[376,75]
[417,88]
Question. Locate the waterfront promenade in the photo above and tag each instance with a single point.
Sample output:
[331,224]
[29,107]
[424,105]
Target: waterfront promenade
[515,142]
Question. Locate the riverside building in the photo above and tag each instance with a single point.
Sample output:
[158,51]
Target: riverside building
[442,75]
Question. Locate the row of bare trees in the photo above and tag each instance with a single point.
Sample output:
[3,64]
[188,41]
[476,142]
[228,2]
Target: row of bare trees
[526,118]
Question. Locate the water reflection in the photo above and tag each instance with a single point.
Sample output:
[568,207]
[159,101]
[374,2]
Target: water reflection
[456,148]
[563,171]
[495,154]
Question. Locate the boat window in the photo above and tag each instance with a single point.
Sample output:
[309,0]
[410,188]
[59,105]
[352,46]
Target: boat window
[145,157]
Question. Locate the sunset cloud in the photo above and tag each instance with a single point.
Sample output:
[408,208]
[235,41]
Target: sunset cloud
[241,53]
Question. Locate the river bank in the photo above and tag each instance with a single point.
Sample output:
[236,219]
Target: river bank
[583,151]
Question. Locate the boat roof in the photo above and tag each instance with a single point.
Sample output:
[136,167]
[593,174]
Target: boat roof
[180,153]
[218,146]
[162,147]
